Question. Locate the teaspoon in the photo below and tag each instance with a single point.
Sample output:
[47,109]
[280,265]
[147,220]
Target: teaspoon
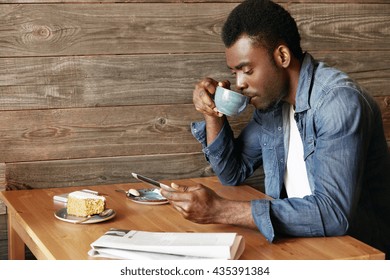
[103,214]
[130,192]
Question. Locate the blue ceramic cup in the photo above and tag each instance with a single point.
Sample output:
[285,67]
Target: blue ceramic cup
[228,102]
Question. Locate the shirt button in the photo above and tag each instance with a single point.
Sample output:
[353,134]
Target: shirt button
[279,128]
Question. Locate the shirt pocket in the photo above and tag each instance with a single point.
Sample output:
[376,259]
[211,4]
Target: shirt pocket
[269,154]
[308,147]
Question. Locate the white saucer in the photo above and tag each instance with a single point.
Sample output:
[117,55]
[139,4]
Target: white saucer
[149,196]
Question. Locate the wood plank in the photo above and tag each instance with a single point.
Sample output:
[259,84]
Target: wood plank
[86,29]
[342,26]
[68,82]
[188,1]
[109,131]
[3,238]
[85,172]
[2,188]
[100,132]
[97,171]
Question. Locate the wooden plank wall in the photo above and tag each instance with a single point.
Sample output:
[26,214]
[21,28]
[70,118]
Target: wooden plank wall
[93,90]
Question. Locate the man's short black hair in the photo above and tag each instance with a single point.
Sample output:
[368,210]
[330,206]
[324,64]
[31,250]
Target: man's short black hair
[265,22]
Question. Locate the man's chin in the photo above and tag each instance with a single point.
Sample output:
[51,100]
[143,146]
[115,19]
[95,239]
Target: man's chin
[267,104]
[266,107]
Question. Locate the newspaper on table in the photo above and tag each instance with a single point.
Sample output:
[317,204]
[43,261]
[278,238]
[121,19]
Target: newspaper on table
[140,245]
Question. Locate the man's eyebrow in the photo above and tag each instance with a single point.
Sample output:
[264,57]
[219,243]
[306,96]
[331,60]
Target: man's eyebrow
[239,66]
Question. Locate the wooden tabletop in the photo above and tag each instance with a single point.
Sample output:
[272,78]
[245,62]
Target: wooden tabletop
[32,222]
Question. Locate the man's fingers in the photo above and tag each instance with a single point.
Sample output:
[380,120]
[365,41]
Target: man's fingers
[203,96]
[181,193]
[203,102]
[178,187]
[210,85]
[175,186]
[225,84]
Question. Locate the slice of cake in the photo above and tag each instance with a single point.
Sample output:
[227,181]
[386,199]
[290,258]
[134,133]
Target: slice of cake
[83,204]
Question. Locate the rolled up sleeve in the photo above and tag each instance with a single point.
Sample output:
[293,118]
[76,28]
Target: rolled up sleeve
[260,214]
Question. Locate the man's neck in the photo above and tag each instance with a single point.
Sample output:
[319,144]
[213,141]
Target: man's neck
[293,73]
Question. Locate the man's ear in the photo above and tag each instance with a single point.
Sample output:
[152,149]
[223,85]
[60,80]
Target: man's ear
[282,56]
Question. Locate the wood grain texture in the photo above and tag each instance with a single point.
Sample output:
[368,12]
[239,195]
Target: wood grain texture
[83,172]
[96,81]
[190,1]
[88,171]
[93,90]
[100,132]
[3,185]
[108,132]
[87,29]
[33,211]
[88,84]
[346,26]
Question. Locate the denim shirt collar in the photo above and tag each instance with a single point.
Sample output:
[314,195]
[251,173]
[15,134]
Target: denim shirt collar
[304,84]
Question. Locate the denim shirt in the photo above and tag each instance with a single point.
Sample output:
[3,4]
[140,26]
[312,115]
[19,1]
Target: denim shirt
[345,153]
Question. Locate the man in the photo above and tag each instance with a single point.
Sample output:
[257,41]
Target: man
[317,134]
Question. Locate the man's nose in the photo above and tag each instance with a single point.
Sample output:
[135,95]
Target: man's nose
[240,83]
